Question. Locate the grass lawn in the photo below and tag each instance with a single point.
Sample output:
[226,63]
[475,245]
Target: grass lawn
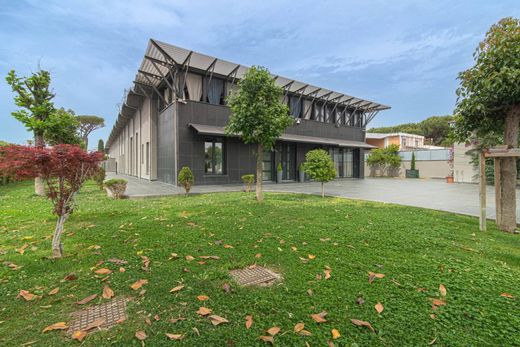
[416,250]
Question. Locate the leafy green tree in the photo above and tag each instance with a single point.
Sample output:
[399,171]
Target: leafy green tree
[101,146]
[186,179]
[34,97]
[489,102]
[387,160]
[320,167]
[62,128]
[258,115]
[87,124]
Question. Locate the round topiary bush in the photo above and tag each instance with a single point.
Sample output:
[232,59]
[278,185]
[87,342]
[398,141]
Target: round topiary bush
[186,178]
[117,186]
[248,181]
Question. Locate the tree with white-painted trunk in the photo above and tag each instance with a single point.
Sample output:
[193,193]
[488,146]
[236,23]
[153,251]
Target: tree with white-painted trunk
[63,168]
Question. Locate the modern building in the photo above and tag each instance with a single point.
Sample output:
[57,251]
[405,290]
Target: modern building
[405,141]
[175,113]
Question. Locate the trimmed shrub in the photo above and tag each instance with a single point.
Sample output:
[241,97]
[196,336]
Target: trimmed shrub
[99,177]
[320,167]
[186,178]
[412,165]
[248,181]
[117,186]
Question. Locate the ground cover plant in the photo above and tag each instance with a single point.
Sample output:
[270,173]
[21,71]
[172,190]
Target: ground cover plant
[417,276]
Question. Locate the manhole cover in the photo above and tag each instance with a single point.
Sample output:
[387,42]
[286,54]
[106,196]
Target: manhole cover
[102,316]
[254,276]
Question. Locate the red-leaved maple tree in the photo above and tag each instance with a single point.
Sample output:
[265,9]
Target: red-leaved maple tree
[64,169]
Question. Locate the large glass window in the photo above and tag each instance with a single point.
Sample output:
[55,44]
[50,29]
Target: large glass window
[214,156]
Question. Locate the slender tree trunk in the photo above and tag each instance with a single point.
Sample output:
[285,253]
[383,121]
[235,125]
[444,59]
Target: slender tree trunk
[259,175]
[322,190]
[39,188]
[57,246]
[508,173]
[85,140]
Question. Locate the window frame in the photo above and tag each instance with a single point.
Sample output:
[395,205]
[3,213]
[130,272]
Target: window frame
[213,162]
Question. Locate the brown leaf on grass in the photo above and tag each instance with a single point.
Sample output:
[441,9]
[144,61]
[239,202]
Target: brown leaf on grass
[173,256]
[442,290]
[175,320]
[122,269]
[438,302]
[117,261]
[103,271]
[214,257]
[327,273]
[138,284]
[216,320]
[273,331]
[379,307]
[310,292]
[56,326]
[319,317]
[107,292]
[372,276]
[140,335]
[299,327]
[21,250]
[192,224]
[249,321]
[189,258]
[146,263]
[202,297]
[362,323]
[26,295]
[311,256]
[267,339]
[360,300]
[71,277]
[507,295]
[54,291]
[95,324]
[204,311]
[258,255]
[305,333]
[335,334]
[87,299]
[228,246]
[176,289]
[79,335]
[175,336]
[12,265]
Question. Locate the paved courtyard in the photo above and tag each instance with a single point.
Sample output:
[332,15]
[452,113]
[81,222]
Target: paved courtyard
[427,193]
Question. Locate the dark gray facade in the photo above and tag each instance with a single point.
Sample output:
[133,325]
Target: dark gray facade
[240,158]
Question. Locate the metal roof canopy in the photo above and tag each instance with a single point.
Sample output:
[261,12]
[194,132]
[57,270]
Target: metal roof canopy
[219,130]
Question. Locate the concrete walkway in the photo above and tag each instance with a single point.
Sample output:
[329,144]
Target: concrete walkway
[427,193]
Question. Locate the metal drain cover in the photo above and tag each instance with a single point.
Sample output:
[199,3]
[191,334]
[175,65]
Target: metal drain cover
[254,276]
[109,313]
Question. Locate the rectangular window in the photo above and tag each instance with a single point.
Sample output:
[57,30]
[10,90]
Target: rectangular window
[214,158]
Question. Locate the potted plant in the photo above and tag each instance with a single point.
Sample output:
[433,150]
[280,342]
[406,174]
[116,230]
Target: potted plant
[279,173]
[248,182]
[412,173]
[186,179]
[116,187]
[301,171]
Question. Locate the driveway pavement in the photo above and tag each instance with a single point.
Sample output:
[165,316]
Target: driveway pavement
[427,193]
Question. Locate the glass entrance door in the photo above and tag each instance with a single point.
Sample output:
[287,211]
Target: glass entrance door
[343,159]
[267,166]
[288,160]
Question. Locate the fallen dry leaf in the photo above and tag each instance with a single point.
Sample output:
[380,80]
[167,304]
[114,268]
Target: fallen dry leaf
[204,311]
[56,326]
[216,320]
[305,333]
[335,334]
[138,284]
[103,271]
[362,323]
[319,317]
[507,295]
[79,335]
[189,258]
[372,276]
[249,321]
[228,246]
[442,290]
[117,261]
[87,299]
[258,255]
[379,307]
[299,327]
[438,302]
[214,257]
[310,292]
[267,339]
[141,335]
[273,331]
[71,277]
[54,291]
[327,274]
[176,289]
[107,292]
[26,295]
[311,256]
[21,250]
[202,297]
[175,336]
[95,324]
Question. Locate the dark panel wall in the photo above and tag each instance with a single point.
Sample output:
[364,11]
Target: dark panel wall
[166,145]
[241,158]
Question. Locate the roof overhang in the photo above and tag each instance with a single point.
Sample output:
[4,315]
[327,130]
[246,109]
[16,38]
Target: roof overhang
[203,129]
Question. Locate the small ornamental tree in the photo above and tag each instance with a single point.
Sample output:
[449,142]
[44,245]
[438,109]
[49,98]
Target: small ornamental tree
[248,182]
[412,165]
[186,178]
[63,168]
[488,101]
[101,146]
[319,166]
[258,115]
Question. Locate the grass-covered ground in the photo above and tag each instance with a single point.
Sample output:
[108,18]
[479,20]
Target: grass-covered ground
[417,250]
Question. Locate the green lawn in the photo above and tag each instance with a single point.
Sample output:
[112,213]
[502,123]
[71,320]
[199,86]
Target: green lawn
[416,250]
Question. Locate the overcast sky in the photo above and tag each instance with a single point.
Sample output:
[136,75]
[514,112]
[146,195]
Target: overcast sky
[404,53]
